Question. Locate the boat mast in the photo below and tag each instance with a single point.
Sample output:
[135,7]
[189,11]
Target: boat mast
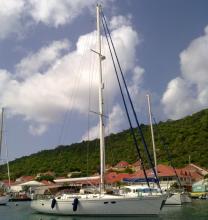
[101,104]
[152,132]
[1,132]
[1,143]
[8,170]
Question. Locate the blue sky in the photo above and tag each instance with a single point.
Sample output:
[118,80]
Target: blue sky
[45,62]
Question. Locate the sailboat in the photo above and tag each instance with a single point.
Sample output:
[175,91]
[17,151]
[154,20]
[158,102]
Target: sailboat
[4,198]
[175,198]
[100,204]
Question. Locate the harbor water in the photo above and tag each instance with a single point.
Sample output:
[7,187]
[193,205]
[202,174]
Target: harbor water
[198,210]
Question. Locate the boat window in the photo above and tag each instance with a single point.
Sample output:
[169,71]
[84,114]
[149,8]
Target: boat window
[126,190]
[105,202]
[113,202]
[143,190]
[139,190]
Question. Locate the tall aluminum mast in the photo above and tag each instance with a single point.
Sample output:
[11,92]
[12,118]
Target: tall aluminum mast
[152,132]
[101,105]
[1,144]
[1,132]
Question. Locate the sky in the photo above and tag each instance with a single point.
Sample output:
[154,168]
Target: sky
[48,73]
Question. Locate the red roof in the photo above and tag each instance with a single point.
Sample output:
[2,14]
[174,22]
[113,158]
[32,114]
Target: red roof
[6,182]
[114,177]
[25,178]
[138,174]
[196,176]
[137,164]
[194,168]
[163,171]
[122,164]
[183,172]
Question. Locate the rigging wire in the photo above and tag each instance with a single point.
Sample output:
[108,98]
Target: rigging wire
[79,69]
[91,74]
[131,103]
[68,115]
[107,96]
[88,124]
[126,109]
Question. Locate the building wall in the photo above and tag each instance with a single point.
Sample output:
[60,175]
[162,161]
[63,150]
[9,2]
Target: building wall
[199,188]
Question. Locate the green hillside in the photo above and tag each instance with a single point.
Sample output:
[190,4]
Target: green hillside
[187,136]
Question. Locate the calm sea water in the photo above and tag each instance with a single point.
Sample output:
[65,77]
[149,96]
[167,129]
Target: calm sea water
[198,210]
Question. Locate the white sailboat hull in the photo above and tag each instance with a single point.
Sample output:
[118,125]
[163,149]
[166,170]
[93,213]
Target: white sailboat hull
[106,205]
[178,199]
[174,199]
[4,200]
[185,198]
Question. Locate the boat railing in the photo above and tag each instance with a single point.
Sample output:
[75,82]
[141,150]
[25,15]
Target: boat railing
[41,196]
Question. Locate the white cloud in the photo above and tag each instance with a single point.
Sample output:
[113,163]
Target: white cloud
[39,62]
[179,99]
[5,79]
[137,91]
[57,12]
[17,15]
[118,21]
[10,14]
[126,39]
[188,92]
[138,75]
[116,120]
[37,130]
[115,123]
[49,82]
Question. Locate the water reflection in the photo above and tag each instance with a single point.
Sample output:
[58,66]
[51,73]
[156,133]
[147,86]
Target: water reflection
[38,216]
[173,208]
[22,211]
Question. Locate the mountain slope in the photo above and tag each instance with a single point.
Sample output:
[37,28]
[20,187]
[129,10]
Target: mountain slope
[184,137]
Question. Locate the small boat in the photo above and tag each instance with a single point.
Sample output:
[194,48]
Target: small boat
[144,190]
[175,198]
[185,197]
[4,199]
[178,198]
[204,196]
[139,190]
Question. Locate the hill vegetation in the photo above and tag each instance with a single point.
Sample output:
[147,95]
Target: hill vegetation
[184,137]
